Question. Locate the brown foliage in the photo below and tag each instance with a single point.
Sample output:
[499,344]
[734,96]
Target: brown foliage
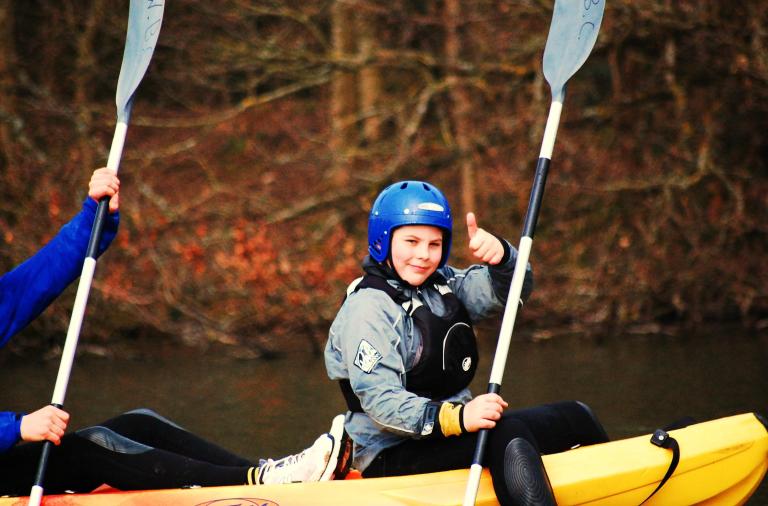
[244,212]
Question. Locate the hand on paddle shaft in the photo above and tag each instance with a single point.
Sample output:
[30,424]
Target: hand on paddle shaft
[483,412]
[483,245]
[104,183]
[48,423]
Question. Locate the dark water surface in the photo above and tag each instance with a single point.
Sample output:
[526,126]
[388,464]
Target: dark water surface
[271,408]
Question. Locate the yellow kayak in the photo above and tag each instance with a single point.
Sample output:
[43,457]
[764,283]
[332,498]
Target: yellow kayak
[722,462]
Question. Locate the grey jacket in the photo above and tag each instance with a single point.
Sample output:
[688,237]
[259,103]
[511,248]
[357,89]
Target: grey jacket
[373,343]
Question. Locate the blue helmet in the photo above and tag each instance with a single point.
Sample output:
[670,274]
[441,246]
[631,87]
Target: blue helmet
[407,203]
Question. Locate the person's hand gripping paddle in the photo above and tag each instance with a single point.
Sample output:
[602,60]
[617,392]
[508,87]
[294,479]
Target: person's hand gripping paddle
[572,35]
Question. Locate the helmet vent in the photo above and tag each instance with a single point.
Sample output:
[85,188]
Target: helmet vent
[404,186]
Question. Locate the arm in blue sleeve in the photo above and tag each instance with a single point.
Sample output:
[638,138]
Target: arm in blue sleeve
[30,287]
[10,429]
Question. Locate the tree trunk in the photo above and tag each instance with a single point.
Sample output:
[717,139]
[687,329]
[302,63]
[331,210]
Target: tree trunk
[370,77]
[343,90]
[461,105]
[7,59]
[86,62]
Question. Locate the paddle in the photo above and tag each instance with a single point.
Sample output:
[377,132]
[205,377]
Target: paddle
[144,20]
[572,35]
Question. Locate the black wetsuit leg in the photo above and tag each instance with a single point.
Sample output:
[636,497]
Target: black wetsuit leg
[149,428]
[551,428]
[97,455]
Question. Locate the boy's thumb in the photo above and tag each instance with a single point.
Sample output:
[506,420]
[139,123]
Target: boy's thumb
[471,225]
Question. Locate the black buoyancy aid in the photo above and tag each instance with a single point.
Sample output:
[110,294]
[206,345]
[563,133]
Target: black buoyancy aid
[449,355]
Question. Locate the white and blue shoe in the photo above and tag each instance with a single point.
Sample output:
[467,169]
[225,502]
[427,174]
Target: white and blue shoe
[319,462]
[341,455]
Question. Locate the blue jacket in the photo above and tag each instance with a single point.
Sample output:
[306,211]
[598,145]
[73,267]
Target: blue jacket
[30,287]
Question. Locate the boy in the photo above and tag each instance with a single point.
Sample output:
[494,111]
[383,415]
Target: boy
[404,352]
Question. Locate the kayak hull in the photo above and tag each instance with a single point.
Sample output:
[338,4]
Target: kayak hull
[721,462]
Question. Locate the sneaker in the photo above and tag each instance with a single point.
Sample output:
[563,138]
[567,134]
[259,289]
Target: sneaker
[341,455]
[310,465]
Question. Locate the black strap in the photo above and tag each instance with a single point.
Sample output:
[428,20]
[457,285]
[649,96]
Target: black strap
[353,401]
[662,439]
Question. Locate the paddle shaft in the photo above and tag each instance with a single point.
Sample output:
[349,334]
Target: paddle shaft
[572,35]
[515,289]
[81,300]
[144,21]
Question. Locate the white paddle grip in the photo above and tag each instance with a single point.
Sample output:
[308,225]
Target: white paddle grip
[116,151]
[550,131]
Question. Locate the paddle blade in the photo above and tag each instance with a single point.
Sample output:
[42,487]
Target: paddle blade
[144,20]
[572,35]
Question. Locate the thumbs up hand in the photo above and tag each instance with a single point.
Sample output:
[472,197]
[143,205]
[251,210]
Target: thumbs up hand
[482,244]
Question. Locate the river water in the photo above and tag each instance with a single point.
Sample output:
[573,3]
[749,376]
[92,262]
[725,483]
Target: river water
[270,408]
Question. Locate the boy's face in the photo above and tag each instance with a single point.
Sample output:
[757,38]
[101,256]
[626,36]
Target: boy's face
[416,252]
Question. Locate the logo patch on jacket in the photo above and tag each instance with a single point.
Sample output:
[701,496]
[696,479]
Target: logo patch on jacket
[367,356]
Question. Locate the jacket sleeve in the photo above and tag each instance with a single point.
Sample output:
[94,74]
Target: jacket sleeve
[30,287]
[365,346]
[484,288]
[10,429]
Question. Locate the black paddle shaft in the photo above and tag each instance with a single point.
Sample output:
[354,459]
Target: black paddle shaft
[537,194]
[482,434]
[44,455]
[98,227]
